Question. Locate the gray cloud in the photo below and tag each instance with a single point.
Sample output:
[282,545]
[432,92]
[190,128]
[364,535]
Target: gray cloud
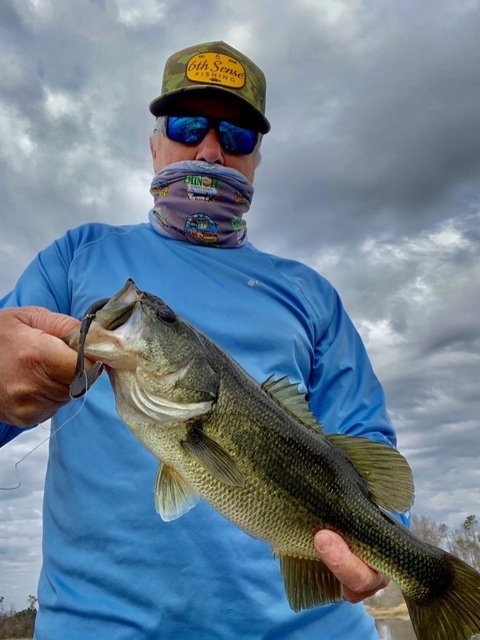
[391,120]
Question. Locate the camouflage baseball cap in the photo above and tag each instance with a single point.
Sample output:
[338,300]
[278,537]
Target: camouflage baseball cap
[214,67]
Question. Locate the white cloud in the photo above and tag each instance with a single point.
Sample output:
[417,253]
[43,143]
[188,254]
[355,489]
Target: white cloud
[17,145]
[60,104]
[334,13]
[140,13]
[35,11]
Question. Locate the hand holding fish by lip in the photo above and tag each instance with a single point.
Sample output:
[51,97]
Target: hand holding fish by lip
[37,366]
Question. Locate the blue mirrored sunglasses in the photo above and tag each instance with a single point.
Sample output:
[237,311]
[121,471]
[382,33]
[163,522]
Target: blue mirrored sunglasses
[193,129]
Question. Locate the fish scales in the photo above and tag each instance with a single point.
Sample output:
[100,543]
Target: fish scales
[318,488]
[258,457]
[274,439]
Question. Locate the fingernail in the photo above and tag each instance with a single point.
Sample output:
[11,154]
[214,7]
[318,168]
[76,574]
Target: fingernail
[323,541]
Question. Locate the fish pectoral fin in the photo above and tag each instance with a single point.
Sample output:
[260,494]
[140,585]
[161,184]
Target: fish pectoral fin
[287,395]
[384,469]
[173,495]
[308,582]
[213,457]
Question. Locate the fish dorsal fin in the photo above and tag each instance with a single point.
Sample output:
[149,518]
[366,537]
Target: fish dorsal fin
[308,582]
[173,495]
[213,457]
[287,395]
[384,469]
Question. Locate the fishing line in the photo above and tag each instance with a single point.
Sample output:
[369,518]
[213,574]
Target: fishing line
[68,419]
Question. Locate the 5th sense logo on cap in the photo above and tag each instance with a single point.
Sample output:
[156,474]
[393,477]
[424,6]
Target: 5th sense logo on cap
[216,68]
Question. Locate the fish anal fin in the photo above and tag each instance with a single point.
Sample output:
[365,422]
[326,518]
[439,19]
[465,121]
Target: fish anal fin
[213,457]
[287,395]
[173,495]
[308,582]
[384,469]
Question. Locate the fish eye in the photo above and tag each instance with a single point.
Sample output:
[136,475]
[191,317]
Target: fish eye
[165,314]
[162,310]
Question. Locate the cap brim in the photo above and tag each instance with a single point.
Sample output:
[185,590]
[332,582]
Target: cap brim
[161,105]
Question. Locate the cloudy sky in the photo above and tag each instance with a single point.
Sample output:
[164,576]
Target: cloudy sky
[371,174]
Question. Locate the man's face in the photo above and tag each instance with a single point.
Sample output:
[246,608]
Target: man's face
[165,151]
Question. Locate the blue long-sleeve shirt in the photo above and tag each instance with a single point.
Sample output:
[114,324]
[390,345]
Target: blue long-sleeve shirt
[111,567]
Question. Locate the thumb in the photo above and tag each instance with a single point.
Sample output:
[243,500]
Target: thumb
[54,324]
[57,359]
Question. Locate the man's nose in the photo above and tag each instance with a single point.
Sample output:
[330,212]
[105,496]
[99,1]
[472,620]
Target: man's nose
[210,149]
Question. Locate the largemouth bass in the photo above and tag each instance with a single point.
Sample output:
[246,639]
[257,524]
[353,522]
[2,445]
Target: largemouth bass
[258,456]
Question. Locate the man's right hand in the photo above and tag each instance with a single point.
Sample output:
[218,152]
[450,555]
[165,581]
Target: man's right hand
[36,366]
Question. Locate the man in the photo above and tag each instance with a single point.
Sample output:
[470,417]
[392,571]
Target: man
[112,568]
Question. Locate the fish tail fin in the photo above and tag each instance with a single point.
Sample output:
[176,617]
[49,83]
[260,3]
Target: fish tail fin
[453,613]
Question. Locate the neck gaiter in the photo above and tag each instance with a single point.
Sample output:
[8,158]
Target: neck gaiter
[201,203]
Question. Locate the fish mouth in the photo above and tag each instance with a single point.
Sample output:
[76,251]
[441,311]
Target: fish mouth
[96,339]
[108,313]
[100,325]
[109,333]
[113,332]
[118,310]
[111,318]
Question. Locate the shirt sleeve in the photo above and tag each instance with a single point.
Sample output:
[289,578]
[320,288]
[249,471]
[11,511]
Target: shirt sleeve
[344,391]
[344,388]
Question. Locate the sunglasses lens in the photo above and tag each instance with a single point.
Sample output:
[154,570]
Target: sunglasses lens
[237,139]
[193,129]
[187,129]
